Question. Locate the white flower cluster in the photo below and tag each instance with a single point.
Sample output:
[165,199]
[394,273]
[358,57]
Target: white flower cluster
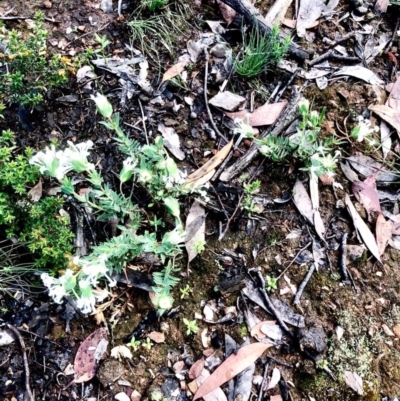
[88,278]
[58,163]
[364,131]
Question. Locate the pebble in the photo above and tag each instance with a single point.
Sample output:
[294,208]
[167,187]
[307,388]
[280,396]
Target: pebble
[396,330]
[219,50]
[362,10]
[193,115]
[122,397]
[47,4]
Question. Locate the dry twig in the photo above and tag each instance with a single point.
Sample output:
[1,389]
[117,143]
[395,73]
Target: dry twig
[28,390]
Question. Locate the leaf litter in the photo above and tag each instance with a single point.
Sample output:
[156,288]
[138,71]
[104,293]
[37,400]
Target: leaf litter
[365,191]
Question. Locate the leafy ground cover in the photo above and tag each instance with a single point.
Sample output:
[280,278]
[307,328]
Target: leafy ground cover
[190,209]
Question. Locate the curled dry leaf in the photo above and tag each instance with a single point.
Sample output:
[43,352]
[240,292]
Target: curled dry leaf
[196,369]
[366,193]
[256,330]
[384,231]
[363,229]
[85,364]
[303,201]
[215,161]
[175,70]
[195,229]
[362,73]
[231,367]
[391,116]
[171,141]
[36,192]
[367,166]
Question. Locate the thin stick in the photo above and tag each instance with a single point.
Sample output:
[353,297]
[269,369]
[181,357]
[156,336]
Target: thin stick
[332,44]
[393,35]
[343,244]
[270,305]
[25,359]
[303,284]
[143,120]
[290,264]
[293,76]
[206,99]
[260,394]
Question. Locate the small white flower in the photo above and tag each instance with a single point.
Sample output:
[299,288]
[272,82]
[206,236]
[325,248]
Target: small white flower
[121,351]
[145,176]
[243,129]
[76,156]
[164,301]
[51,162]
[364,130]
[59,287]
[103,105]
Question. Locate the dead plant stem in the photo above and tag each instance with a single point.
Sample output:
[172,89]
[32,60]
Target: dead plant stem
[25,359]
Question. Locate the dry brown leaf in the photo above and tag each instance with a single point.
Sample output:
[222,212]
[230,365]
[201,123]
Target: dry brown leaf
[157,337]
[203,180]
[215,395]
[196,369]
[228,13]
[85,363]
[227,100]
[309,12]
[303,201]
[231,367]
[363,229]
[354,381]
[264,115]
[211,164]
[277,12]
[175,70]
[383,231]
[195,229]
[381,6]
[366,193]
[394,96]
[36,192]
[256,330]
[391,116]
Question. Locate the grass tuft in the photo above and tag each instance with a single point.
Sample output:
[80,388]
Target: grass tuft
[260,52]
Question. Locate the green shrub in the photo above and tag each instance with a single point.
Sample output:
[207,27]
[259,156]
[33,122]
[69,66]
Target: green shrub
[38,224]
[30,69]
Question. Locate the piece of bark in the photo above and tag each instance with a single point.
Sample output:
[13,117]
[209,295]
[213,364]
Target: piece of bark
[250,13]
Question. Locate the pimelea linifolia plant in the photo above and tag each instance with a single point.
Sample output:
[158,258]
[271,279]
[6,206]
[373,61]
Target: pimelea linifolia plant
[148,166]
[306,145]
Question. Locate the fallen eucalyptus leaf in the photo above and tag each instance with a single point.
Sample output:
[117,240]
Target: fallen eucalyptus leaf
[231,367]
[215,161]
[362,229]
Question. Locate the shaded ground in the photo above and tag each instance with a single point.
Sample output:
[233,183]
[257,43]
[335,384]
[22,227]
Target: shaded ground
[56,331]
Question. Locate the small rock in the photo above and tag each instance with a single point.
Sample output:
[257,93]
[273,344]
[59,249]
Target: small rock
[220,50]
[193,115]
[122,397]
[362,10]
[136,396]
[81,28]
[47,4]
[387,331]
[396,330]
